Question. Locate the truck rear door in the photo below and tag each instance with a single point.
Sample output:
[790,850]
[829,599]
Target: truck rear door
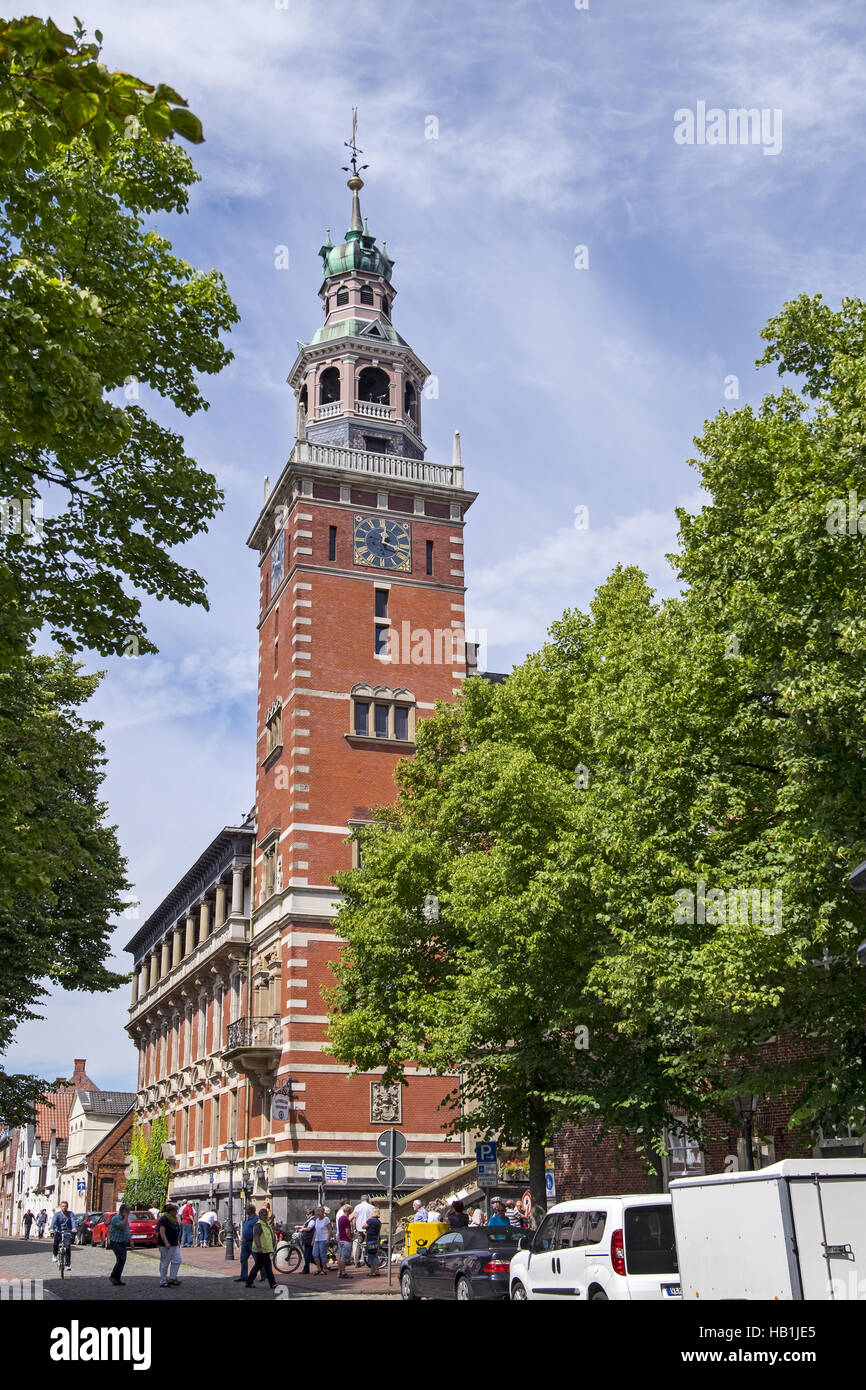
[830,1225]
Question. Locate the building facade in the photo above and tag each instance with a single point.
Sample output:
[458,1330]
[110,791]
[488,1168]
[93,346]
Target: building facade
[41,1148]
[361,630]
[92,1116]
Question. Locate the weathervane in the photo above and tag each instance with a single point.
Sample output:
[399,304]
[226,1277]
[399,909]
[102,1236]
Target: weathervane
[352,145]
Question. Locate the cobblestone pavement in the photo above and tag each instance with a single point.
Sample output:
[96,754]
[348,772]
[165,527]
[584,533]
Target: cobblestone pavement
[204,1274]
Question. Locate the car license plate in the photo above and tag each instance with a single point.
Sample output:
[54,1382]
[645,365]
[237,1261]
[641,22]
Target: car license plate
[672,1291]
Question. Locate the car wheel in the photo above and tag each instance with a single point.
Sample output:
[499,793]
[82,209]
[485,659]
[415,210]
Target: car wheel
[465,1292]
[599,1297]
[407,1287]
[518,1293]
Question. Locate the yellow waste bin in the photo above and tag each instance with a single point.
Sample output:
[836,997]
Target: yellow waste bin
[420,1234]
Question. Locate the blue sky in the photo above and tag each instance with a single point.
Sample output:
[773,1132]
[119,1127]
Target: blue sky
[571,387]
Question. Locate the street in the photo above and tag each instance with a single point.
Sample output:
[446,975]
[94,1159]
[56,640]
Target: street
[205,1275]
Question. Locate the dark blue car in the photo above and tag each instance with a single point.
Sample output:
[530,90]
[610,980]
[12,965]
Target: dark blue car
[471,1262]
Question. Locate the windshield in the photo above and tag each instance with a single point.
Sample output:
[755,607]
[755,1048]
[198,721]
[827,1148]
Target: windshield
[649,1240]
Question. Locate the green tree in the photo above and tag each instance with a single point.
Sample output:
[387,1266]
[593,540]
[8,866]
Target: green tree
[149,1173]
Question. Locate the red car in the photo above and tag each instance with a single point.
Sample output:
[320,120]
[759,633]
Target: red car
[142,1229]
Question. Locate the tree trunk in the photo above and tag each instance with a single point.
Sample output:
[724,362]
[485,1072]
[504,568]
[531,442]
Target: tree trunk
[537,1186]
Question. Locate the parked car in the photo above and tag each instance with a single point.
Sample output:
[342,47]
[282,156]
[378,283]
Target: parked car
[142,1229]
[599,1248]
[86,1224]
[469,1263]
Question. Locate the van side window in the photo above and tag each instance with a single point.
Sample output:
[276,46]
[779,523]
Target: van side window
[568,1223]
[546,1235]
[578,1229]
[595,1224]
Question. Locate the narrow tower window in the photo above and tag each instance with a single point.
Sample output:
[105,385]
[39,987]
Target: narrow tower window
[381,603]
[342,298]
[332,542]
[366,295]
[429,557]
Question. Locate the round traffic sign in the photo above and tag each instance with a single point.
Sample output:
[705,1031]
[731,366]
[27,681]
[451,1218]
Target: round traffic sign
[383,1173]
[383,1143]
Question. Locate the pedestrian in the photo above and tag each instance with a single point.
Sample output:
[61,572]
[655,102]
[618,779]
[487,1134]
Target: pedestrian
[372,1238]
[247,1240]
[476,1217]
[119,1239]
[204,1222]
[41,1221]
[308,1233]
[457,1217]
[214,1232]
[514,1217]
[344,1239]
[187,1217]
[63,1225]
[321,1237]
[28,1222]
[360,1216]
[168,1241]
[499,1218]
[419,1211]
[263,1249]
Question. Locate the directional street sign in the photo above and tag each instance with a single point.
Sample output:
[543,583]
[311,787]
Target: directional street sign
[383,1173]
[383,1143]
[317,1169]
[336,1174]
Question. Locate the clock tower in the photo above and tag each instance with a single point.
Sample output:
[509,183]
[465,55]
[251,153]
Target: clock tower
[361,631]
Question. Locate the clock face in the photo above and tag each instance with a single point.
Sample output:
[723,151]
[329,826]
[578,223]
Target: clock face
[383,543]
[277,562]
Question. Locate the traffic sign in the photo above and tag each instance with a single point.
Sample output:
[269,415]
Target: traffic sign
[336,1174]
[383,1173]
[316,1168]
[485,1152]
[81,1184]
[550,1186]
[488,1178]
[383,1143]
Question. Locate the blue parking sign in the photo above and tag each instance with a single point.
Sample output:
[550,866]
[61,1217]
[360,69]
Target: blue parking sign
[486,1151]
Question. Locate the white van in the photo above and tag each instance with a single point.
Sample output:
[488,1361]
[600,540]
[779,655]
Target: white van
[599,1248]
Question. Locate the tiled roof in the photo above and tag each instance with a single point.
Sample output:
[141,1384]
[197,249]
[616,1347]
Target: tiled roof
[52,1112]
[106,1102]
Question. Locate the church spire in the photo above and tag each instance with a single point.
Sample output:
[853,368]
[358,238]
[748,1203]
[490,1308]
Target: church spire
[355,182]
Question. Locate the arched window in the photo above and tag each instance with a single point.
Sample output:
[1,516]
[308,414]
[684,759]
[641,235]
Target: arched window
[374,386]
[377,711]
[302,397]
[366,295]
[342,298]
[329,386]
[410,402]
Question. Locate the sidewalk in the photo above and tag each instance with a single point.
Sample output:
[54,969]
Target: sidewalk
[212,1258]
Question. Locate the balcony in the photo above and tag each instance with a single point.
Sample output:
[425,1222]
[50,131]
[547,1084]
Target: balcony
[326,412]
[374,410]
[333,456]
[254,1046]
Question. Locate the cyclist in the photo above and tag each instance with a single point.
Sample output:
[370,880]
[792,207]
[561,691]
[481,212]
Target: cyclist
[63,1227]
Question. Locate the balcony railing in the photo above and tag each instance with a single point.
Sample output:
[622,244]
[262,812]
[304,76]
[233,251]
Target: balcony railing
[379,465]
[325,412]
[378,412]
[253,1032]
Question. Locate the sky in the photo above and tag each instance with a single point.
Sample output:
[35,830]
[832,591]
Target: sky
[583,284]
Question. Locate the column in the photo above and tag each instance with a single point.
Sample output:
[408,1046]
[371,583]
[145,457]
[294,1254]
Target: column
[189,945]
[135,974]
[220,910]
[237,892]
[154,970]
[176,946]
[204,921]
[165,958]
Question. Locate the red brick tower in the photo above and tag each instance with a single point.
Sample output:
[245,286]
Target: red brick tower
[361,630]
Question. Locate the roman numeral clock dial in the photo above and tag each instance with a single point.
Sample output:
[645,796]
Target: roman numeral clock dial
[383,543]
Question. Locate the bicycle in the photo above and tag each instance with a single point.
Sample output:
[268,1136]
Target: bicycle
[223,1235]
[289,1254]
[64,1254]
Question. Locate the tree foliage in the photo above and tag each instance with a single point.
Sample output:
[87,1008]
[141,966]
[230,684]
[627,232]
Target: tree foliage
[709,747]
[149,1173]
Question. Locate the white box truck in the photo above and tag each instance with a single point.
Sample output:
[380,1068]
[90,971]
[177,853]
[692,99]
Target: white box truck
[795,1230]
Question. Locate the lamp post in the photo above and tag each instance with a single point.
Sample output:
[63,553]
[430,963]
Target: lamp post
[746,1106]
[232,1150]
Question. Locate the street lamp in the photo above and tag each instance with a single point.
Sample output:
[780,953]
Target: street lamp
[746,1106]
[232,1150]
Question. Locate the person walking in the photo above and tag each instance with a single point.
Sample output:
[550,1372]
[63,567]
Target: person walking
[321,1237]
[28,1222]
[168,1241]
[344,1239]
[247,1228]
[263,1249]
[41,1221]
[372,1239]
[419,1211]
[63,1225]
[308,1233]
[187,1218]
[360,1216]
[119,1239]
[457,1217]
[514,1218]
